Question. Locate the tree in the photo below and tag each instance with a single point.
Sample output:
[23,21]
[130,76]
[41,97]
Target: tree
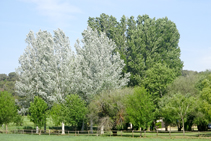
[46,68]
[108,109]
[186,85]
[71,111]
[12,76]
[38,112]
[8,109]
[168,115]
[75,109]
[7,83]
[3,77]
[140,108]
[98,67]
[142,43]
[203,112]
[181,105]
[157,79]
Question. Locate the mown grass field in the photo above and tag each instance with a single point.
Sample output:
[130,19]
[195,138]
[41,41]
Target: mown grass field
[152,136]
[24,137]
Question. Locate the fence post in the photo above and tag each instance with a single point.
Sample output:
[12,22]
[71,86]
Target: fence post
[49,132]
[121,133]
[75,133]
[78,133]
[157,132]
[144,133]
[110,133]
[68,133]
[132,133]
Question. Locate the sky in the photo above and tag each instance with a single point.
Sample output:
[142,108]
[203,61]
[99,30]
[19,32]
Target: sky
[18,17]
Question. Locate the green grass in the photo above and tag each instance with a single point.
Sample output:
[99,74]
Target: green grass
[177,136]
[22,137]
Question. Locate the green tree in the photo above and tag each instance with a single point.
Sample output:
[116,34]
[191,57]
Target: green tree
[12,76]
[108,109]
[57,114]
[168,115]
[186,85]
[204,105]
[8,109]
[71,111]
[181,105]
[142,43]
[140,108]
[3,77]
[38,112]
[75,109]
[157,79]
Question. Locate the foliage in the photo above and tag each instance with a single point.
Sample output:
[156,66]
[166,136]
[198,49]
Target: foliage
[140,108]
[97,66]
[57,113]
[204,110]
[7,83]
[184,84]
[18,120]
[142,43]
[38,111]
[75,109]
[179,105]
[45,68]
[8,109]
[108,108]
[157,79]
[3,77]
[71,111]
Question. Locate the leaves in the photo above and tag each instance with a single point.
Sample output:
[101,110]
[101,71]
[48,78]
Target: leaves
[8,109]
[140,108]
[38,111]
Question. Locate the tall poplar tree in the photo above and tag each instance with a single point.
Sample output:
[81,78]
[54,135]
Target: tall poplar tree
[142,43]
[98,64]
[45,68]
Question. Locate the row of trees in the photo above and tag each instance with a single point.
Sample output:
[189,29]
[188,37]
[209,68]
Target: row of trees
[142,43]
[186,103]
[112,55]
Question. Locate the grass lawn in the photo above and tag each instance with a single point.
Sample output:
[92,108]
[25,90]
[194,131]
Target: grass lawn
[23,137]
[127,136]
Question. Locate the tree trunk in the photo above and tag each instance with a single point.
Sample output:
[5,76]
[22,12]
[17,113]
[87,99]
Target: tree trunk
[140,131]
[166,126]
[170,130]
[45,127]
[91,125]
[6,128]
[82,128]
[63,130]
[102,130]
[37,130]
[183,126]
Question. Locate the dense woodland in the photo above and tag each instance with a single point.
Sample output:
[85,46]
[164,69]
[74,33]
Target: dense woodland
[126,71]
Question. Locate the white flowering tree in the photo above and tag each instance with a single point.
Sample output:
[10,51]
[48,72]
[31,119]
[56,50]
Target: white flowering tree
[98,66]
[45,68]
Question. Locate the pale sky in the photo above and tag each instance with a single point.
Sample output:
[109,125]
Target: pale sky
[18,17]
